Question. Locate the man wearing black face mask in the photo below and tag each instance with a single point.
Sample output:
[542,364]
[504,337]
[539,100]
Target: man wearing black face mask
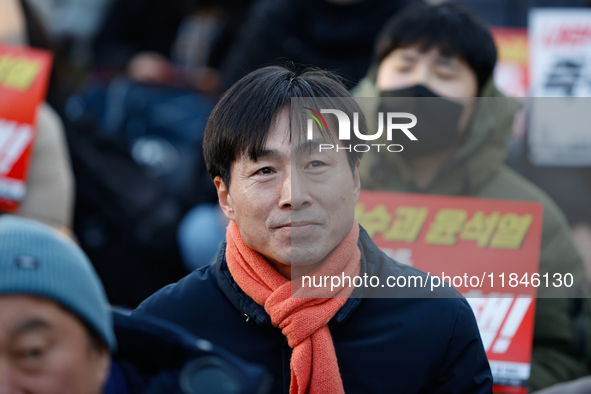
[435,61]
[439,126]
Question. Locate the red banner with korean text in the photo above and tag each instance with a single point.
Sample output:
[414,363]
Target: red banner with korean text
[24,76]
[487,249]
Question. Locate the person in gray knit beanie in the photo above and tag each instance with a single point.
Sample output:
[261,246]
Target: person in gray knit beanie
[56,332]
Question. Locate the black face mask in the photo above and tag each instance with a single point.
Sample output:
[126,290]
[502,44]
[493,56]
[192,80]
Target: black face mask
[438,120]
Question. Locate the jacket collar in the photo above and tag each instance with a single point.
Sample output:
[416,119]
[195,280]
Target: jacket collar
[116,383]
[257,313]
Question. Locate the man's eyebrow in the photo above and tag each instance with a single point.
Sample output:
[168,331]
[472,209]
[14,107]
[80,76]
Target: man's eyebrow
[268,154]
[30,325]
[309,146]
[446,61]
[409,57]
[304,147]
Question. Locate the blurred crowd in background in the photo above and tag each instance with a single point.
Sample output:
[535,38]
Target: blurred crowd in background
[133,84]
[134,81]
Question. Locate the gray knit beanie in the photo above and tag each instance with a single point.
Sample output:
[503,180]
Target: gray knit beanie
[35,260]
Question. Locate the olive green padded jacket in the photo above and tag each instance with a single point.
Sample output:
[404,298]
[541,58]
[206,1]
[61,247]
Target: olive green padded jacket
[561,335]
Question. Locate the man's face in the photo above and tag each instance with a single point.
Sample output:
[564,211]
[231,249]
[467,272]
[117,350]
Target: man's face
[293,205]
[46,350]
[446,76]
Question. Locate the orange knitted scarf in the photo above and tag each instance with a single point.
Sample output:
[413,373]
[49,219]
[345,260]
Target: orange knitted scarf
[303,320]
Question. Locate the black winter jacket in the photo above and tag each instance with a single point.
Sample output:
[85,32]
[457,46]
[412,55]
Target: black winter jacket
[383,345]
[157,357]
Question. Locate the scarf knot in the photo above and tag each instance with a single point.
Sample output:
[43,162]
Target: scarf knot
[302,313]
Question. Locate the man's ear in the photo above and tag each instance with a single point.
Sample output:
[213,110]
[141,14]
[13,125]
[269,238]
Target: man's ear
[356,181]
[101,360]
[224,198]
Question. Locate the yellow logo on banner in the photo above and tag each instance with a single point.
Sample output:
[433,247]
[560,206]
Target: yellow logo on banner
[18,73]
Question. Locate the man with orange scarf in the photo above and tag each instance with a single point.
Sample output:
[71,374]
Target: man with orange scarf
[292,225]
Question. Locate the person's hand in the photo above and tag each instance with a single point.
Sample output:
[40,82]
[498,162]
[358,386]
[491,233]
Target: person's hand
[150,67]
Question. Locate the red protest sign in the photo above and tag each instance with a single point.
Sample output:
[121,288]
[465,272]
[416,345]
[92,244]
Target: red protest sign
[484,247]
[24,76]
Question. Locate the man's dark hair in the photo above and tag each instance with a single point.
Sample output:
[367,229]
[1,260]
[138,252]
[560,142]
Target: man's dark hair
[453,28]
[241,121]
